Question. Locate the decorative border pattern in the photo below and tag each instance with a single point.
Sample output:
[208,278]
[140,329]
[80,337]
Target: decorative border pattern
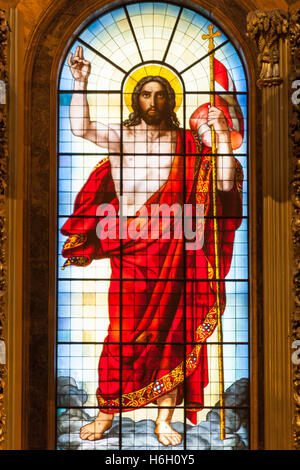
[294,132]
[266,28]
[74,241]
[102,162]
[169,381]
[4,28]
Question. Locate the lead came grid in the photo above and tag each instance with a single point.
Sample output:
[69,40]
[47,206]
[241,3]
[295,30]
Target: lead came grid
[115,44]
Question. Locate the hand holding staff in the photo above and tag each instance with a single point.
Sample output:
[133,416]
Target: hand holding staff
[211,37]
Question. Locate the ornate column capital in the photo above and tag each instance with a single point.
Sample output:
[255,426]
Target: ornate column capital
[294,35]
[266,28]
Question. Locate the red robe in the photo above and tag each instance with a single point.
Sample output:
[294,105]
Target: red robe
[159,324]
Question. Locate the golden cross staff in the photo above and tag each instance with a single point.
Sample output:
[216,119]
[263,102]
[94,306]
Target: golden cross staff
[211,48]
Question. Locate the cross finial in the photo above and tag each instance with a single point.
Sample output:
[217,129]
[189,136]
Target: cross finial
[211,36]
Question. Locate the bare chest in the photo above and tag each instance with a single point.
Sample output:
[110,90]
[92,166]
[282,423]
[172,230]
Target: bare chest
[145,158]
[143,166]
[141,170]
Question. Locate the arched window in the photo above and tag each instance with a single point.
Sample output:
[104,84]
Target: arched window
[152,256]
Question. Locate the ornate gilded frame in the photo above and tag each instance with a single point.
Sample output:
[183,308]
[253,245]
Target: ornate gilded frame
[294,131]
[4,28]
[271,32]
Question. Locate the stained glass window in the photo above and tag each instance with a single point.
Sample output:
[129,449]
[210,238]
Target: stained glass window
[152,263]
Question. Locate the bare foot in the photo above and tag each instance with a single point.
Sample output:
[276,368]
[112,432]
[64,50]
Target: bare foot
[95,430]
[167,435]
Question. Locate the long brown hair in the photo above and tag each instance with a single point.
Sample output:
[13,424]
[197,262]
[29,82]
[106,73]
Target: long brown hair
[135,118]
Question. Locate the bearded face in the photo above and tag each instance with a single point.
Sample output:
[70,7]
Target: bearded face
[153,103]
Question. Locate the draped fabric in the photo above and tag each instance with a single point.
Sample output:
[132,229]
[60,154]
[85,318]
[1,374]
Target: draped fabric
[162,294]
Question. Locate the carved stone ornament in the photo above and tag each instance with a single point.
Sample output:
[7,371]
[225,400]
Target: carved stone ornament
[4,28]
[266,28]
[294,37]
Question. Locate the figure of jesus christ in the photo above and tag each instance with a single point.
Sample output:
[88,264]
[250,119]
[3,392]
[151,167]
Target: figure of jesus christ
[149,139]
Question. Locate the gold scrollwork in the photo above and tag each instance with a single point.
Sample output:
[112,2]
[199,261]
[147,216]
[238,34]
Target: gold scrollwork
[4,28]
[294,132]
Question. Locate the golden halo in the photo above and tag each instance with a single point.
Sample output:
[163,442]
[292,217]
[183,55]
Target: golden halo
[155,70]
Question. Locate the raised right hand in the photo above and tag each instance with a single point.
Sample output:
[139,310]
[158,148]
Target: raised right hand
[80,68]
